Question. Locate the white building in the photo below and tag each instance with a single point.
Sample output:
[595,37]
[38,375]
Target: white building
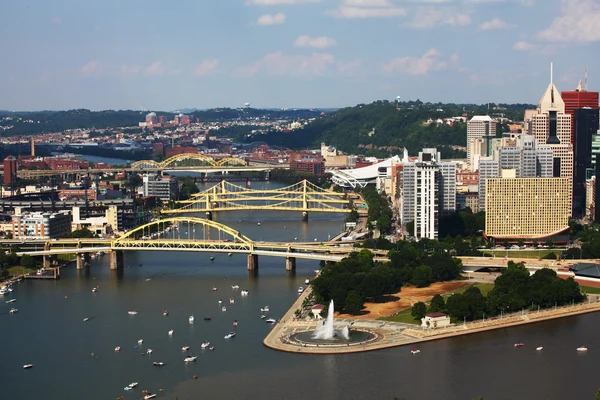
[163,187]
[435,320]
[39,225]
[480,130]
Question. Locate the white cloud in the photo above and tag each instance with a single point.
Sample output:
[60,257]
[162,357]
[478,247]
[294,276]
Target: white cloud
[130,70]
[431,17]
[278,2]
[366,3]
[357,12]
[495,23]
[319,42]
[578,23]
[92,68]
[430,61]
[268,19]
[279,64]
[155,68]
[207,67]
[523,46]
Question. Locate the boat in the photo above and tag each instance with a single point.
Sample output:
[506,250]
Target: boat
[3,290]
[214,289]
[185,348]
[149,351]
[211,348]
[414,351]
[204,345]
[244,292]
[149,396]
[94,289]
[132,312]
[235,287]
[582,348]
[147,279]
[220,301]
[264,309]
[223,309]
[86,319]
[132,385]
[263,316]
[117,349]
[300,289]
[229,254]
[191,319]
[271,321]
[212,259]
[235,323]
[539,348]
[230,335]
[159,363]
[171,332]
[13,311]
[140,341]
[258,223]
[165,313]
[208,318]
[519,344]
[11,301]
[27,366]
[127,388]
[306,281]
[190,359]
[231,301]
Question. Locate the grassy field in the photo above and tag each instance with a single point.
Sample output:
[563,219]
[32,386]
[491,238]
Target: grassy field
[483,287]
[403,317]
[589,289]
[525,254]
[15,271]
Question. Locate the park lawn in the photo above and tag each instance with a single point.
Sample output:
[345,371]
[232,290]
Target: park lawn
[403,316]
[66,257]
[525,254]
[15,271]
[589,289]
[483,287]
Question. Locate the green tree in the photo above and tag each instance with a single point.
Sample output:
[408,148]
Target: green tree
[28,262]
[422,276]
[134,181]
[437,304]
[418,310]
[354,303]
[458,307]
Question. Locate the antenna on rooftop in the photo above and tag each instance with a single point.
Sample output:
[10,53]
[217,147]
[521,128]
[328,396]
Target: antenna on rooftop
[585,86]
[551,72]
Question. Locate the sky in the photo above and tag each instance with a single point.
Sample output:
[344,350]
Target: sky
[167,55]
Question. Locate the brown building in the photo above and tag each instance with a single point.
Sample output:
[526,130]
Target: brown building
[173,151]
[10,170]
[158,150]
[315,166]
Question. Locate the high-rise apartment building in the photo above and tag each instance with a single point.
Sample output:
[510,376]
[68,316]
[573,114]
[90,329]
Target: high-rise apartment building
[479,127]
[163,187]
[429,188]
[150,119]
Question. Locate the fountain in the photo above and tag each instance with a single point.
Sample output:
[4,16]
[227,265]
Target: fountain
[325,330]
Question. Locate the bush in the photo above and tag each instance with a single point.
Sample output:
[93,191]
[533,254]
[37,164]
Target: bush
[419,310]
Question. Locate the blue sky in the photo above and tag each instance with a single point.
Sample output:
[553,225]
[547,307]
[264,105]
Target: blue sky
[165,55]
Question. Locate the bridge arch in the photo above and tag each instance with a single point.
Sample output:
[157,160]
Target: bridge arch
[191,158]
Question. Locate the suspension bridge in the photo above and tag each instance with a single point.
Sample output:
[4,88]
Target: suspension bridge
[302,196]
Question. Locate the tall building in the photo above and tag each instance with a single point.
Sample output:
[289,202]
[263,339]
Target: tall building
[150,119]
[552,126]
[527,208]
[479,127]
[163,187]
[576,99]
[429,187]
[10,170]
[41,225]
[586,125]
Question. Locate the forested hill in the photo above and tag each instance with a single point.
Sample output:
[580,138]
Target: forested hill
[380,128]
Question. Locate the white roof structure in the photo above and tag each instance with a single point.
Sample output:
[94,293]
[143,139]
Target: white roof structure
[361,177]
[482,118]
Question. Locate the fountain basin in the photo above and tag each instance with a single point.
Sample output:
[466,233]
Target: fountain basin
[355,337]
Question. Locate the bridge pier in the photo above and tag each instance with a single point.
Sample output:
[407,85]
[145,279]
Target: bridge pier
[79,261]
[116,259]
[290,263]
[209,215]
[304,216]
[46,262]
[252,262]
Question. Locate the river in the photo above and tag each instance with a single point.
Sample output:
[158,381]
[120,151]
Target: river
[49,332]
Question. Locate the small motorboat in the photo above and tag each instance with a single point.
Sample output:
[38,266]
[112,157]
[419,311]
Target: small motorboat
[27,366]
[231,301]
[191,319]
[229,254]
[519,344]
[263,316]
[205,345]
[539,348]
[94,289]
[258,223]
[264,309]
[149,351]
[132,385]
[306,281]
[414,351]
[220,301]
[214,289]
[147,279]
[127,388]
[13,311]
[159,363]
[86,319]
[230,335]
[11,301]
[171,332]
[165,313]
[235,287]
[582,348]
[185,348]
[117,349]
[235,323]
[140,341]
[223,309]
[300,289]
[244,292]
[271,321]
[190,359]
[211,348]
[212,259]
[132,312]
[149,396]
[208,318]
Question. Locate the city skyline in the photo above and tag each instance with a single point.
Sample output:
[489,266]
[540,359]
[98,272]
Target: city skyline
[291,53]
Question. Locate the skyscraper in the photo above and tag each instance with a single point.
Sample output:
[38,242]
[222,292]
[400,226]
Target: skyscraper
[576,99]
[480,126]
[10,170]
[586,126]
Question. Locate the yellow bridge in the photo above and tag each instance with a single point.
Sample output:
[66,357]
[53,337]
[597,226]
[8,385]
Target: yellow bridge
[189,160]
[302,196]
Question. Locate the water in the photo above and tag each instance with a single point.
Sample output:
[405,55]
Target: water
[49,332]
[99,159]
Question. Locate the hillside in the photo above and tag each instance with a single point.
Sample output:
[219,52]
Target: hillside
[380,128]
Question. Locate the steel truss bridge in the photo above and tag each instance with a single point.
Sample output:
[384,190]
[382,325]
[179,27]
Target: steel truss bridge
[189,160]
[302,196]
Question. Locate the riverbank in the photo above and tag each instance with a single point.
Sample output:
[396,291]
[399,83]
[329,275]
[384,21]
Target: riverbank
[395,334]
